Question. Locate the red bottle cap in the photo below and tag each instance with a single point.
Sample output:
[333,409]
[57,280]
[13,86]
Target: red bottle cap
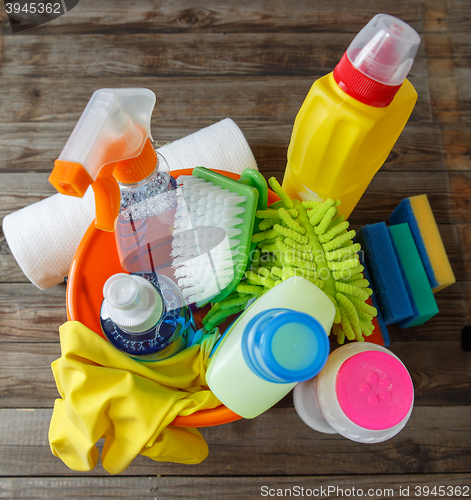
[378,60]
[362,88]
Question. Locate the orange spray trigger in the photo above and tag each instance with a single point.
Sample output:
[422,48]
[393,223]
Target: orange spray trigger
[113,128]
[107,199]
[138,168]
[70,178]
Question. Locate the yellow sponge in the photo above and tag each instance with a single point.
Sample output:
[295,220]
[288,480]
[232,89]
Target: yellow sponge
[417,212]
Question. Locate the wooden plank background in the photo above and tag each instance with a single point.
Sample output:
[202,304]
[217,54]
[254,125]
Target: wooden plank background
[254,61]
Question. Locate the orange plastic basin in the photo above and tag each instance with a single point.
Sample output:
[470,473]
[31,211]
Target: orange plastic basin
[95,261]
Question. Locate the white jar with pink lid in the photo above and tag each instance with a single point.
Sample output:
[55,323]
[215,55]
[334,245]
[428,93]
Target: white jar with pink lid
[364,392]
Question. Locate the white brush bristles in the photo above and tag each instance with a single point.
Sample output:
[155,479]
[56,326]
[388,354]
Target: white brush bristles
[207,224]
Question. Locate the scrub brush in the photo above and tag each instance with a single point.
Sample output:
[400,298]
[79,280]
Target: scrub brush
[214,223]
[311,240]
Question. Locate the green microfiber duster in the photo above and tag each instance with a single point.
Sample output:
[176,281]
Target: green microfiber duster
[311,240]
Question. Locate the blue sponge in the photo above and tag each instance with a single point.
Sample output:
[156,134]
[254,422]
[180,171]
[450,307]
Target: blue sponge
[387,279]
[415,277]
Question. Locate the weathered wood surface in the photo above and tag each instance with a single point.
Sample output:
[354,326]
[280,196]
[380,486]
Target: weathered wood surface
[235,488]
[161,55]
[236,17]
[435,440]
[253,61]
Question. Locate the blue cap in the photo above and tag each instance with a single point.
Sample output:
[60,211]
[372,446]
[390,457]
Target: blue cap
[285,346]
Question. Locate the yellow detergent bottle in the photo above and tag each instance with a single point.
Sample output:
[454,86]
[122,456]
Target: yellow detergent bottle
[352,117]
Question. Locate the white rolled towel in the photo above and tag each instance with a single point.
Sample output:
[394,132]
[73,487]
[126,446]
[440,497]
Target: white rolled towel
[44,236]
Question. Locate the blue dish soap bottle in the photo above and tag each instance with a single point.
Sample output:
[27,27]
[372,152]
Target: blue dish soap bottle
[145,316]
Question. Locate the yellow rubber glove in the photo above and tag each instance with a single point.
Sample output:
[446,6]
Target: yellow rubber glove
[105,393]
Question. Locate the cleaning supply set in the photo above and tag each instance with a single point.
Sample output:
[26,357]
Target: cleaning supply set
[292,271]
[137,316]
[352,117]
[65,219]
[110,150]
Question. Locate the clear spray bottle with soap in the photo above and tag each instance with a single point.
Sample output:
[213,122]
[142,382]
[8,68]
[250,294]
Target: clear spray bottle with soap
[111,150]
[352,117]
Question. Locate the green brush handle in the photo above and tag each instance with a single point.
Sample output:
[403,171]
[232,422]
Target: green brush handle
[254,178]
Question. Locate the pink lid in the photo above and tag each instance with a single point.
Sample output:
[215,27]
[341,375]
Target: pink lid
[374,390]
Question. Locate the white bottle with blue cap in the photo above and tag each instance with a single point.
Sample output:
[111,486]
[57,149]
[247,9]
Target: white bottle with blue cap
[280,340]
